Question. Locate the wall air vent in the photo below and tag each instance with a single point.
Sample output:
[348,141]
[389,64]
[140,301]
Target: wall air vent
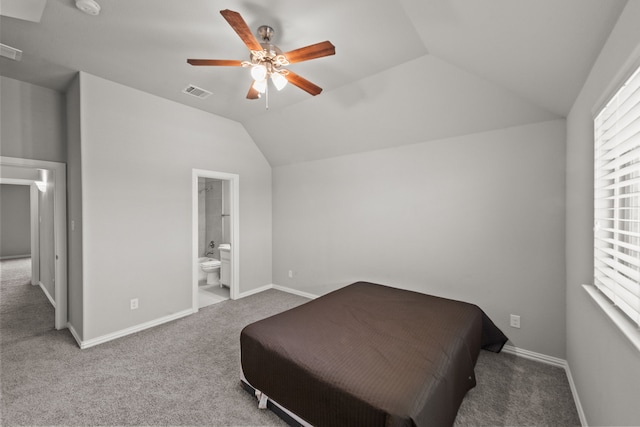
[10,52]
[196,91]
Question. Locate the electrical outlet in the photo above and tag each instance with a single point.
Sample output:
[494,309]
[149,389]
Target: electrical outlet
[290,274]
[134,303]
[515,321]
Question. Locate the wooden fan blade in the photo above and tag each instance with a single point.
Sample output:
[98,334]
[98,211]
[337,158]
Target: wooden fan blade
[253,94]
[212,62]
[303,83]
[313,51]
[241,28]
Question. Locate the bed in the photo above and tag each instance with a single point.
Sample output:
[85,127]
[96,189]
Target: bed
[368,355]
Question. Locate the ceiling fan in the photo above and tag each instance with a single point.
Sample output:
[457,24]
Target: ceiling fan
[267,60]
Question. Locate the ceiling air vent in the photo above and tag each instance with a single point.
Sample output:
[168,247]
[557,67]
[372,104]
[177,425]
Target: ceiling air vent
[196,91]
[10,52]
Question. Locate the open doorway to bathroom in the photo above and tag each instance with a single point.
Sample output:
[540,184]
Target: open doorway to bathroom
[215,231]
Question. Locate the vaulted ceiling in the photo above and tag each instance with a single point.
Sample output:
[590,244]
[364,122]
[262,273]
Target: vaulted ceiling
[405,71]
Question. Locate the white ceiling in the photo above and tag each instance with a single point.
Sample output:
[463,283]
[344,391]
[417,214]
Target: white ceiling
[405,71]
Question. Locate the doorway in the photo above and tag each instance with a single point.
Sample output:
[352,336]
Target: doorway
[18,169]
[229,224]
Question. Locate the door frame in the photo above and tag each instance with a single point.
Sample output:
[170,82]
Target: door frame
[58,172]
[234,229]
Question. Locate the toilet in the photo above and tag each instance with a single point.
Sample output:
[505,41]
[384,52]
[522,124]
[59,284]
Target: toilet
[212,267]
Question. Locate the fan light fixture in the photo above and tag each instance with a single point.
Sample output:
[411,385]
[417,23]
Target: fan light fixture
[267,63]
[90,7]
[267,60]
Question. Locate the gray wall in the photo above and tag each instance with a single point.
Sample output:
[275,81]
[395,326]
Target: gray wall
[478,218]
[604,364]
[33,122]
[75,291]
[137,154]
[15,221]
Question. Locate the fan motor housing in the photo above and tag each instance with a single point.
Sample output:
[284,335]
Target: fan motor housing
[265,32]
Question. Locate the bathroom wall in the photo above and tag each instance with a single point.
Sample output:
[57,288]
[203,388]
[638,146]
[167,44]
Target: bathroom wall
[213,200]
[209,215]
[226,220]
[202,218]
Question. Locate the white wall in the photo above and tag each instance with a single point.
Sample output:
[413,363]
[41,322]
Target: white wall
[138,152]
[604,364]
[478,218]
[33,124]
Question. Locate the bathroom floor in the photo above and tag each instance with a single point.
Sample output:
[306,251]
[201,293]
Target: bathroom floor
[211,294]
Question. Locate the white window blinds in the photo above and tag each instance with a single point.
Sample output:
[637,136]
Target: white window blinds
[617,199]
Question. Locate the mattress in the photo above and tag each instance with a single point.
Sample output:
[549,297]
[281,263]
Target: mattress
[369,355]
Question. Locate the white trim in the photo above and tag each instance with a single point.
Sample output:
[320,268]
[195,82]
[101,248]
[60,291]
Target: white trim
[59,181]
[538,357]
[47,294]
[279,288]
[554,361]
[234,238]
[132,330]
[16,181]
[5,258]
[624,324]
[34,213]
[629,67]
[74,334]
[295,292]
[255,291]
[576,398]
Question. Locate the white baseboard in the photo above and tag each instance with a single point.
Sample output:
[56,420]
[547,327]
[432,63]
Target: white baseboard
[294,291]
[128,331]
[555,361]
[46,292]
[538,357]
[74,334]
[255,291]
[279,288]
[576,398]
[132,330]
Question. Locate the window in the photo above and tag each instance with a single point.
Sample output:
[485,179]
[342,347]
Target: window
[617,199]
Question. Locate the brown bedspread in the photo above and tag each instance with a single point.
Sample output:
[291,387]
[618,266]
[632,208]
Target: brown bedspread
[369,355]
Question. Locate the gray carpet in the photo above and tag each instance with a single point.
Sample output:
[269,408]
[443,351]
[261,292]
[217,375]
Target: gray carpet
[186,372]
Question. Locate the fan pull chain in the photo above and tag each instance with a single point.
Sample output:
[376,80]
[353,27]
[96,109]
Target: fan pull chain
[266,95]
